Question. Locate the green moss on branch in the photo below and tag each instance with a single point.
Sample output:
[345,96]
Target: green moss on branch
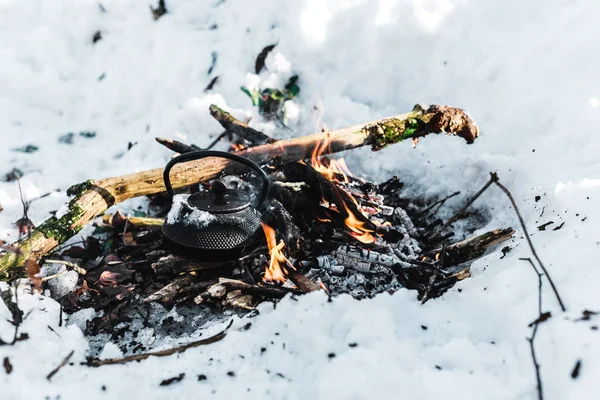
[422,121]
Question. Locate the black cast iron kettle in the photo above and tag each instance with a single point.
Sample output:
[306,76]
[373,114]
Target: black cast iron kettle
[215,225]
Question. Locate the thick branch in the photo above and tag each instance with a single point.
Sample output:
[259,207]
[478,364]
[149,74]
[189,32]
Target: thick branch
[93,197]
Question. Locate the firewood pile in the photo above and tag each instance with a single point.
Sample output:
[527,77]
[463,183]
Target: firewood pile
[322,229]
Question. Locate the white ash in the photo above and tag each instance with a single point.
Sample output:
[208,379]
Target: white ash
[361,259]
[356,273]
[191,216]
[401,217]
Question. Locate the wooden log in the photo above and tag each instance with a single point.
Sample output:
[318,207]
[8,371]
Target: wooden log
[91,198]
[302,282]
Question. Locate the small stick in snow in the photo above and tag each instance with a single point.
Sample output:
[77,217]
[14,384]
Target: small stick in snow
[62,364]
[161,353]
[536,365]
[494,177]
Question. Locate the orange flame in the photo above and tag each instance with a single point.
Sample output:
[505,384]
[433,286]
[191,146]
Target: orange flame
[331,169]
[359,231]
[237,146]
[275,272]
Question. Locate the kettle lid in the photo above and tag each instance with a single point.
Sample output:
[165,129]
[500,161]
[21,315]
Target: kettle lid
[219,200]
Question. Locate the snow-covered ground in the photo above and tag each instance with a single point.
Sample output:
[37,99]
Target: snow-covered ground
[526,70]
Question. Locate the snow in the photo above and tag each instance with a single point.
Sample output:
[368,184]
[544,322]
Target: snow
[196,217]
[527,73]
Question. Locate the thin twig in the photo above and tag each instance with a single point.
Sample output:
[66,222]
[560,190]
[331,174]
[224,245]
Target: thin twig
[535,328]
[62,364]
[17,315]
[494,178]
[47,278]
[438,203]
[162,353]
[467,205]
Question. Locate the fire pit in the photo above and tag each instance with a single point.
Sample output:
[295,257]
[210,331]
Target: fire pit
[317,228]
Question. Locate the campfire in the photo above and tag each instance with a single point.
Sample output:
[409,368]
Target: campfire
[320,228]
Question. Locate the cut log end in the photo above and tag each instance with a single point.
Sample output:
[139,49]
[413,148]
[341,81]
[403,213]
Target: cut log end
[422,121]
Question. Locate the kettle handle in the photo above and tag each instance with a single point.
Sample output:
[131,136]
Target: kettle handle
[195,155]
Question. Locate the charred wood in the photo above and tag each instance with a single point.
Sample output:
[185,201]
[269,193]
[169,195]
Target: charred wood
[471,248]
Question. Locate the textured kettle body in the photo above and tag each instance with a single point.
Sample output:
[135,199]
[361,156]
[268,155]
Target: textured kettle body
[226,232]
[216,224]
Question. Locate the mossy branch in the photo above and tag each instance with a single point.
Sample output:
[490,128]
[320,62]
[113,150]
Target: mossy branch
[92,198]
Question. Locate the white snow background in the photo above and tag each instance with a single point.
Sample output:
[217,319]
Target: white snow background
[529,73]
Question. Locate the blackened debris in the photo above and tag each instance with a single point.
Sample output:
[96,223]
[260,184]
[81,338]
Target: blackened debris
[213,62]
[423,327]
[13,175]
[331,355]
[353,344]
[30,148]
[558,227]
[88,134]
[576,370]
[97,37]
[7,366]
[505,250]
[538,198]
[211,84]
[160,10]
[438,367]
[202,377]
[260,60]
[67,138]
[586,315]
[174,379]
[543,317]
[543,226]
[230,373]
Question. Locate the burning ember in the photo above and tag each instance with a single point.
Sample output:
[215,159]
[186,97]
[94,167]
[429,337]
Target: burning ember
[275,272]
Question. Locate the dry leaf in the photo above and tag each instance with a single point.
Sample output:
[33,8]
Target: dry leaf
[32,268]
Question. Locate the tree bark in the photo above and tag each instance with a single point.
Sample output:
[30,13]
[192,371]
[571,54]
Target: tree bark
[92,198]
